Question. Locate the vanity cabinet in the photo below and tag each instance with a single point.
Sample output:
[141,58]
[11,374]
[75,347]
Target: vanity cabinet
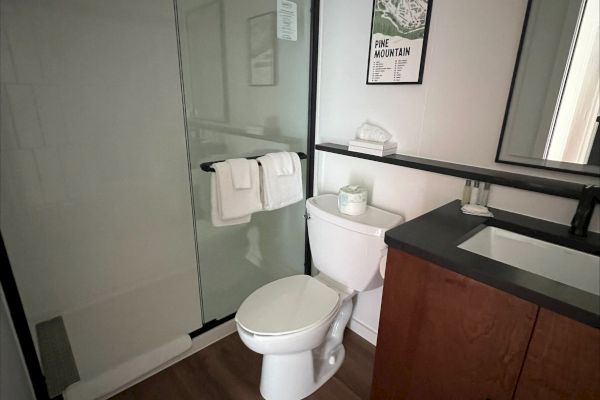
[563,360]
[445,336]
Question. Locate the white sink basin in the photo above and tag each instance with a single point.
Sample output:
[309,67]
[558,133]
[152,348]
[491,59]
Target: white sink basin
[571,267]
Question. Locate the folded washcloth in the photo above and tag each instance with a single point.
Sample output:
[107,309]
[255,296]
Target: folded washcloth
[282,162]
[215,214]
[236,203]
[240,172]
[280,190]
[475,209]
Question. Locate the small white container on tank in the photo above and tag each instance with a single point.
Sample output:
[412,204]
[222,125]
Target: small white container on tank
[352,200]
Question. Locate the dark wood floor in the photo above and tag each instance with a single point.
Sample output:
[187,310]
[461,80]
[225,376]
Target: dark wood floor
[229,370]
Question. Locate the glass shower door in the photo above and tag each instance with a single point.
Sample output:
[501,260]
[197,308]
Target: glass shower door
[246,94]
[94,191]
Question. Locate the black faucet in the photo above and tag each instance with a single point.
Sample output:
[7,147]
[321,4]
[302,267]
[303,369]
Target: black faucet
[590,196]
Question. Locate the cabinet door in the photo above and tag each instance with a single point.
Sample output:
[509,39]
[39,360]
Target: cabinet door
[445,336]
[563,361]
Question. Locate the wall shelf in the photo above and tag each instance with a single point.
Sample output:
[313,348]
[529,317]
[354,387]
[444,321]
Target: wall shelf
[526,182]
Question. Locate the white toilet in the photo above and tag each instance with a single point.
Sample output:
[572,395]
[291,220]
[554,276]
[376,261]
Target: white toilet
[298,322]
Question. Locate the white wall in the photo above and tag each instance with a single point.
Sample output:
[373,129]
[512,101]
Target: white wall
[455,115]
[14,379]
[95,191]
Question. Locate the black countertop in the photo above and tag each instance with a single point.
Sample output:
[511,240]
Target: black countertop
[435,236]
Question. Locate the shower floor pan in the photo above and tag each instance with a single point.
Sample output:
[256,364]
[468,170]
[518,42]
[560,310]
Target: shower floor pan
[149,321]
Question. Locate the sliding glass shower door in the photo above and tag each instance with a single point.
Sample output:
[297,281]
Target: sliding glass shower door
[246,81]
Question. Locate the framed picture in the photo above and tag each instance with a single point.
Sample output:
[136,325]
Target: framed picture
[262,30]
[399,30]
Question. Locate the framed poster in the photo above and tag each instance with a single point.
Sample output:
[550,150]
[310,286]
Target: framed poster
[399,30]
[262,30]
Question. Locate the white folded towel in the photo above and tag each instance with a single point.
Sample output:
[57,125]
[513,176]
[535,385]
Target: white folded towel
[282,162]
[215,213]
[240,172]
[231,203]
[280,190]
[476,209]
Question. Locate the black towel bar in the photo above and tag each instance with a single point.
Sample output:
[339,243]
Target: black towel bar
[207,166]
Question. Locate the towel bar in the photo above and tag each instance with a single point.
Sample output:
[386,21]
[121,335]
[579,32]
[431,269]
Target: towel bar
[207,166]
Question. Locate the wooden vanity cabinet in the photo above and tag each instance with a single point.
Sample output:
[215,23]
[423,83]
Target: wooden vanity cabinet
[563,360]
[445,336]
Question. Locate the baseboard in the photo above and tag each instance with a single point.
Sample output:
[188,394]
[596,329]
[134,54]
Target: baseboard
[364,331]
[198,343]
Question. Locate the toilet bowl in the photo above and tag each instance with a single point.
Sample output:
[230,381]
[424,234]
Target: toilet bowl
[297,323]
[294,334]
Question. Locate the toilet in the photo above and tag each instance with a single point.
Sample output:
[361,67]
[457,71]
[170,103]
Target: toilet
[297,323]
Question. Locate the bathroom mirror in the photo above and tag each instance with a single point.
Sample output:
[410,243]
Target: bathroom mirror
[552,113]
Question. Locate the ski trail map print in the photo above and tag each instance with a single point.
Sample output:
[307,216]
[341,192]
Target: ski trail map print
[399,30]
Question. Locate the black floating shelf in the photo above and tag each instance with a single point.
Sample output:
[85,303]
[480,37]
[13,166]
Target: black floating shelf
[535,184]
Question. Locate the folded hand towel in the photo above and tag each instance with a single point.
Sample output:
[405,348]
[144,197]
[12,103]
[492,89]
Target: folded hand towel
[215,213]
[240,173]
[475,209]
[236,203]
[280,190]
[282,162]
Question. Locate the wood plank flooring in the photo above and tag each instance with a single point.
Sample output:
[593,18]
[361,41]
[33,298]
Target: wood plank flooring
[228,370]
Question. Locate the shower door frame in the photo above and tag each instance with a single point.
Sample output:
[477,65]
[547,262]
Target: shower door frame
[19,320]
[7,280]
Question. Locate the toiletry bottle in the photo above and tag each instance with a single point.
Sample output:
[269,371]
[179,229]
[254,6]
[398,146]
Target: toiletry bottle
[474,193]
[466,197]
[484,194]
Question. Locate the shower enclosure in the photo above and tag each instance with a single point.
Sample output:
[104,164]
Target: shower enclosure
[107,110]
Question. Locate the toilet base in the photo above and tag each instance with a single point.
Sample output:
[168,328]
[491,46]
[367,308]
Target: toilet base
[292,376]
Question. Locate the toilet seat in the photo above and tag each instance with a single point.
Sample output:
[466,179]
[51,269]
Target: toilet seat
[287,305]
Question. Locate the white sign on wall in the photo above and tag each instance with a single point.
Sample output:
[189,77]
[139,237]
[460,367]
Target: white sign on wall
[287,20]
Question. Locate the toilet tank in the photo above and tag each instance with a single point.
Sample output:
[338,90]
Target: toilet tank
[347,248]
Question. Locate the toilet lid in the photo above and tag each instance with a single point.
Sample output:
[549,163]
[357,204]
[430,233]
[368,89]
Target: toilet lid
[287,305]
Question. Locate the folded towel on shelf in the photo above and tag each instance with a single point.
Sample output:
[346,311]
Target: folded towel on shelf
[240,173]
[229,203]
[282,162]
[280,190]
